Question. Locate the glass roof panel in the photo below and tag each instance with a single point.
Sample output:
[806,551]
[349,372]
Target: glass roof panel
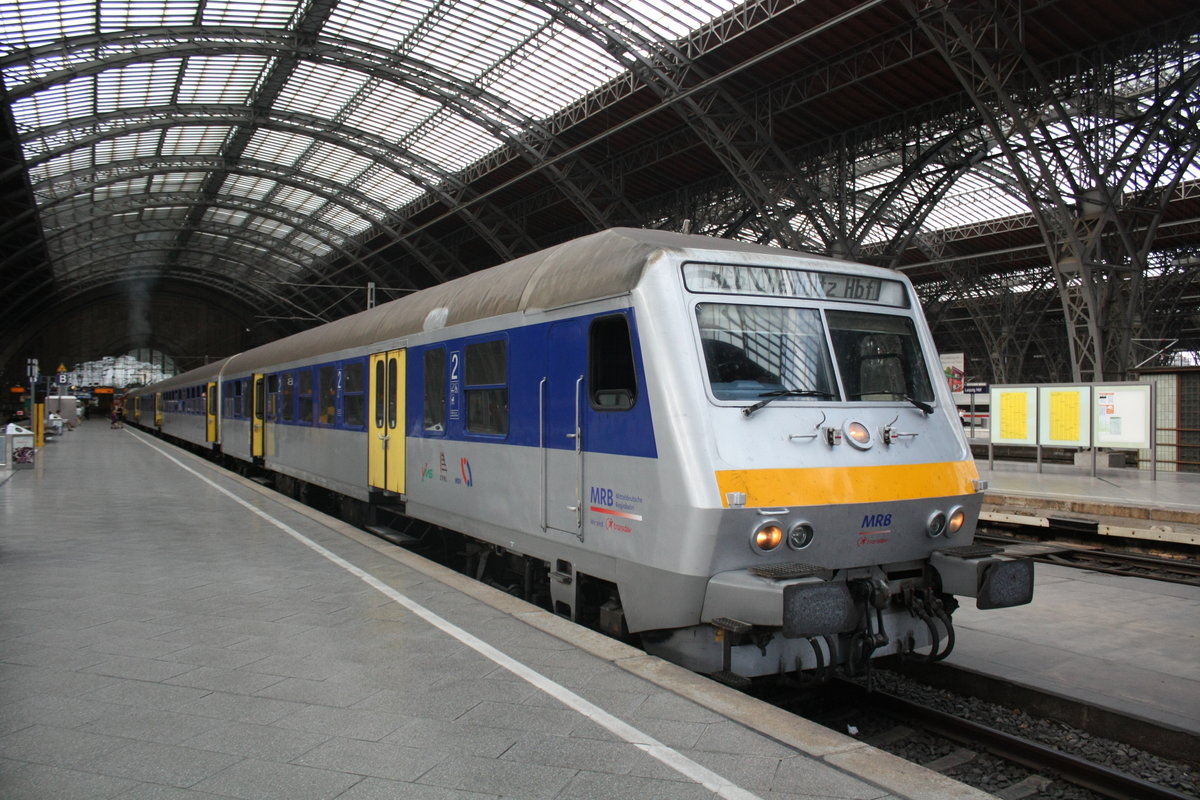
[263,13]
[142,144]
[136,85]
[76,160]
[33,22]
[390,189]
[385,24]
[278,147]
[116,16]
[221,79]
[391,111]
[299,199]
[249,186]
[194,140]
[336,164]
[54,105]
[321,89]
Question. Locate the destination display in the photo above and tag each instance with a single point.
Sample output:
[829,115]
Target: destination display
[780,282]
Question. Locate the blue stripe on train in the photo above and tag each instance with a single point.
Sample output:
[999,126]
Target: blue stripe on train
[545,365]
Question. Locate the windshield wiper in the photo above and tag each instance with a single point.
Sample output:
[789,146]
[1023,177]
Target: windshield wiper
[928,409]
[771,397]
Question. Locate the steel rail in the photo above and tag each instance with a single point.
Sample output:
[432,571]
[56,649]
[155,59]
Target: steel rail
[1105,781]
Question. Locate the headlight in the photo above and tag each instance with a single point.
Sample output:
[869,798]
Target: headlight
[767,537]
[800,536]
[957,518]
[858,435]
[935,524]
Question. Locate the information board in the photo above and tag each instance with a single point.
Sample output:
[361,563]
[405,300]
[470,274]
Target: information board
[1123,415]
[1064,415]
[1014,414]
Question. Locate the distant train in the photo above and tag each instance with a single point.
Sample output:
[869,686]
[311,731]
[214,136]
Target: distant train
[738,454]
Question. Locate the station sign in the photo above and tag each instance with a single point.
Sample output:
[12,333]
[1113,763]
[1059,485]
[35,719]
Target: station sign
[975,388]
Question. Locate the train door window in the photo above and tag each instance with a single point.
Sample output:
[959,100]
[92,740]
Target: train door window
[435,389]
[354,400]
[273,398]
[260,398]
[485,382]
[327,394]
[612,379]
[304,398]
[879,356]
[287,396]
[380,384]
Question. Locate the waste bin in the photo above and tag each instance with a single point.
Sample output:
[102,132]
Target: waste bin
[20,444]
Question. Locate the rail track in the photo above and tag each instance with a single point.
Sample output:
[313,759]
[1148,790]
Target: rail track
[976,748]
[1040,544]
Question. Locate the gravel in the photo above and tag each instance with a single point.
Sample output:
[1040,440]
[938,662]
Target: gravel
[993,775]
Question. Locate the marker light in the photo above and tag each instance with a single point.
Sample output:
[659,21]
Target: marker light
[858,435]
[800,536]
[767,537]
[957,518]
[936,524]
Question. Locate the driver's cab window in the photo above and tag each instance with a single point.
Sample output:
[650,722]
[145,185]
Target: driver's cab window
[752,350]
[879,356]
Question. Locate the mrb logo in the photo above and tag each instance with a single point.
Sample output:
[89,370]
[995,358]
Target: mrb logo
[602,497]
[876,521]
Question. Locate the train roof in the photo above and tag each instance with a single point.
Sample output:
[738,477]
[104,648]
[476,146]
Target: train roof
[605,264]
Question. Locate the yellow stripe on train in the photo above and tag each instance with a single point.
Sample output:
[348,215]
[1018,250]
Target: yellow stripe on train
[841,485]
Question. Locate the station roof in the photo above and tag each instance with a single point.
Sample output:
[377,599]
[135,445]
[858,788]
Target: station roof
[281,153]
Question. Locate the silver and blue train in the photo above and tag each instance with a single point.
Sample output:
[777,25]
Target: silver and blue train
[744,456]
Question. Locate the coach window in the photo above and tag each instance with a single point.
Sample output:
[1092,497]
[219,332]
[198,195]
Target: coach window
[435,390]
[354,401]
[486,389]
[304,399]
[327,395]
[287,396]
[273,398]
[612,379]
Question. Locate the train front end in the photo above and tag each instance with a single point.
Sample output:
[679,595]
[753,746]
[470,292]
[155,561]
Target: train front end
[837,510]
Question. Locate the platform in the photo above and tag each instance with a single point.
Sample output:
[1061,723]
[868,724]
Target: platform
[1128,645]
[169,630]
[1122,502]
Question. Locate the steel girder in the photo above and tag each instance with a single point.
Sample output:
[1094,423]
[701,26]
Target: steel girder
[1075,179]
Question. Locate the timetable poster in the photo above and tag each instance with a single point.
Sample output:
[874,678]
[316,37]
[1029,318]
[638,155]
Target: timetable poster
[1064,415]
[1014,414]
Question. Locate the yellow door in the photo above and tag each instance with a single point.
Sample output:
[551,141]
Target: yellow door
[385,462]
[158,409]
[210,396]
[258,415]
